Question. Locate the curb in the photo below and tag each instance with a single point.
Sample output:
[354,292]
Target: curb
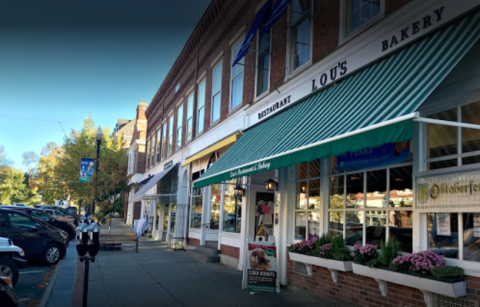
[53,280]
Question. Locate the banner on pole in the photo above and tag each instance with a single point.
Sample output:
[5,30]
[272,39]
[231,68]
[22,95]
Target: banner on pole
[86,170]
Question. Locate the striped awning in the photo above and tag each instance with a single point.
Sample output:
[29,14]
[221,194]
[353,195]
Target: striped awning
[367,109]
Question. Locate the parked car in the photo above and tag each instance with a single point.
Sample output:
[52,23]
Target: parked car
[72,210]
[38,240]
[60,216]
[60,211]
[7,295]
[11,260]
[19,205]
[40,214]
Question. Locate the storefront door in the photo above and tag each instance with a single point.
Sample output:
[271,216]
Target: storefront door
[262,220]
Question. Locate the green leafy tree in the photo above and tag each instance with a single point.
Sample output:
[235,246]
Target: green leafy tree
[13,188]
[112,173]
[48,184]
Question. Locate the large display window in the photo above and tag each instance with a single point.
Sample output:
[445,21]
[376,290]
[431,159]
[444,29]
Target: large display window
[371,205]
[196,209]
[308,205]
[232,209]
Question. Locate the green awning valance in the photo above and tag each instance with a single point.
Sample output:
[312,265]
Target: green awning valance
[369,108]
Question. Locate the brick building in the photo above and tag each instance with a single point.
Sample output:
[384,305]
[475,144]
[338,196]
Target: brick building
[364,114]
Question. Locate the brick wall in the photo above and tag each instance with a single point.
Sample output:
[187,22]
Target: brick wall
[363,291]
[231,251]
[193,242]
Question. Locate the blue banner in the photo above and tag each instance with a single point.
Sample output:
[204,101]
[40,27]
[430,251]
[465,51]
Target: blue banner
[389,153]
[251,33]
[86,169]
[278,9]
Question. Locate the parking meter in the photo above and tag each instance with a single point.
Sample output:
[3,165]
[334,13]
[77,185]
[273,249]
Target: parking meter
[93,239]
[89,219]
[82,239]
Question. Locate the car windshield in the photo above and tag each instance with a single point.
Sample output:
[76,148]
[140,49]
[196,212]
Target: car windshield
[40,215]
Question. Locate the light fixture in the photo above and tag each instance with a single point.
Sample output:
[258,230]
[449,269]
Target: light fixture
[304,188]
[99,135]
[271,185]
[238,191]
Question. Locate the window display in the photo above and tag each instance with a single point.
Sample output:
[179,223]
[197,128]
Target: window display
[232,210]
[196,210]
[308,204]
[215,207]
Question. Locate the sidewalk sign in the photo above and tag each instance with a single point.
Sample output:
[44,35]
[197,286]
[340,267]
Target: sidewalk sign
[260,269]
[86,170]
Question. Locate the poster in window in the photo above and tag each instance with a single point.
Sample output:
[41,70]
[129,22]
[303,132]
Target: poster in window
[476,225]
[443,224]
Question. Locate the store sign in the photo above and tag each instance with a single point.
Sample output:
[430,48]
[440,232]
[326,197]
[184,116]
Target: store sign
[275,107]
[260,271]
[167,165]
[386,154]
[458,192]
[260,166]
[86,170]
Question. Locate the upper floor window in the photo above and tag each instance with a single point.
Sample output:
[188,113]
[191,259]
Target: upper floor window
[263,62]
[189,117]
[170,135]
[237,78]
[164,140]
[130,163]
[159,145]
[357,13]
[300,32]
[179,126]
[201,106]
[147,155]
[152,151]
[216,91]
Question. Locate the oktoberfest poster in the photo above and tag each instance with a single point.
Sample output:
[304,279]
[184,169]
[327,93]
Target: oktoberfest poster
[261,268]
[86,170]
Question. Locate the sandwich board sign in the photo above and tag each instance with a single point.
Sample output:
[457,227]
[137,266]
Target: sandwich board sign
[86,170]
[260,269]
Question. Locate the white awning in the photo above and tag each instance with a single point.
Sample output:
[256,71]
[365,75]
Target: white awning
[140,194]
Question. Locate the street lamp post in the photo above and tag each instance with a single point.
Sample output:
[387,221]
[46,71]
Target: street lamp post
[99,139]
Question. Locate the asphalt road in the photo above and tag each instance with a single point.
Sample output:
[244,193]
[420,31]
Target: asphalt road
[32,283]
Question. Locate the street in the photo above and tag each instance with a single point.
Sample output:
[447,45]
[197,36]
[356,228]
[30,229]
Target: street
[32,283]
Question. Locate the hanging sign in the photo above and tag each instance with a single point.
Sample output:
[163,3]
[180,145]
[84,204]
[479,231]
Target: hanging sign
[86,170]
[260,273]
[390,153]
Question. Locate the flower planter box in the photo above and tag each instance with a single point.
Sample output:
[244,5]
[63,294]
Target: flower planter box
[332,265]
[426,285]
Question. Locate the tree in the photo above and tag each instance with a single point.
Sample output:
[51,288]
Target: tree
[112,174]
[3,157]
[45,179]
[13,188]
[30,159]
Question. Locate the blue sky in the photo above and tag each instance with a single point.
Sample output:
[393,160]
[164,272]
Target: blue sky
[58,63]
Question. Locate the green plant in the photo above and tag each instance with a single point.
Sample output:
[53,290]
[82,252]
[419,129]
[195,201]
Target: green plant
[390,251]
[448,272]
[339,249]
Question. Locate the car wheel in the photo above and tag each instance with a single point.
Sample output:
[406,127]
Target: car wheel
[8,268]
[51,254]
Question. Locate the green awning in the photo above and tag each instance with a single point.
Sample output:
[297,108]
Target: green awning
[367,109]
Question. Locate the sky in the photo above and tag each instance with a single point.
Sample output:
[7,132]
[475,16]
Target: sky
[61,60]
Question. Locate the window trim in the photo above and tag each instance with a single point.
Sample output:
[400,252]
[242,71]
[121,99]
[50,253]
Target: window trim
[343,37]
[204,80]
[232,77]
[291,72]
[190,94]
[219,92]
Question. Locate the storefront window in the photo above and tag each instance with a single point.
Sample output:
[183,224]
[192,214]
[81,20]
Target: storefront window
[308,201]
[442,234]
[173,214]
[215,207]
[167,217]
[232,210]
[376,204]
[449,146]
[197,207]
[471,236]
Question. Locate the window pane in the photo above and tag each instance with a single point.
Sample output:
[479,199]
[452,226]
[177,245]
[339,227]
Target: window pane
[302,170]
[355,191]
[314,194]
[313,224]
[441,139]
[159,145]
[201,119]
[442,234]
[179,137]
[376,221]
[377,189]
[471,137]
[201,94]
[300,225]
[237,91]
[471,160]
[335,222]
[300,8]
[189,128]
[229,216]
[301,40]
[333,165]
[471,237]
[301,195]
[196,215]
[20,221]
[401,223]
[173,213]
[180,116]
[216,108]
[336,192]
[442,164]
[217,78]
[314,169]
[401,187]
[263,63]
[167,217]
[215,207]
[190,106]
[354,228]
